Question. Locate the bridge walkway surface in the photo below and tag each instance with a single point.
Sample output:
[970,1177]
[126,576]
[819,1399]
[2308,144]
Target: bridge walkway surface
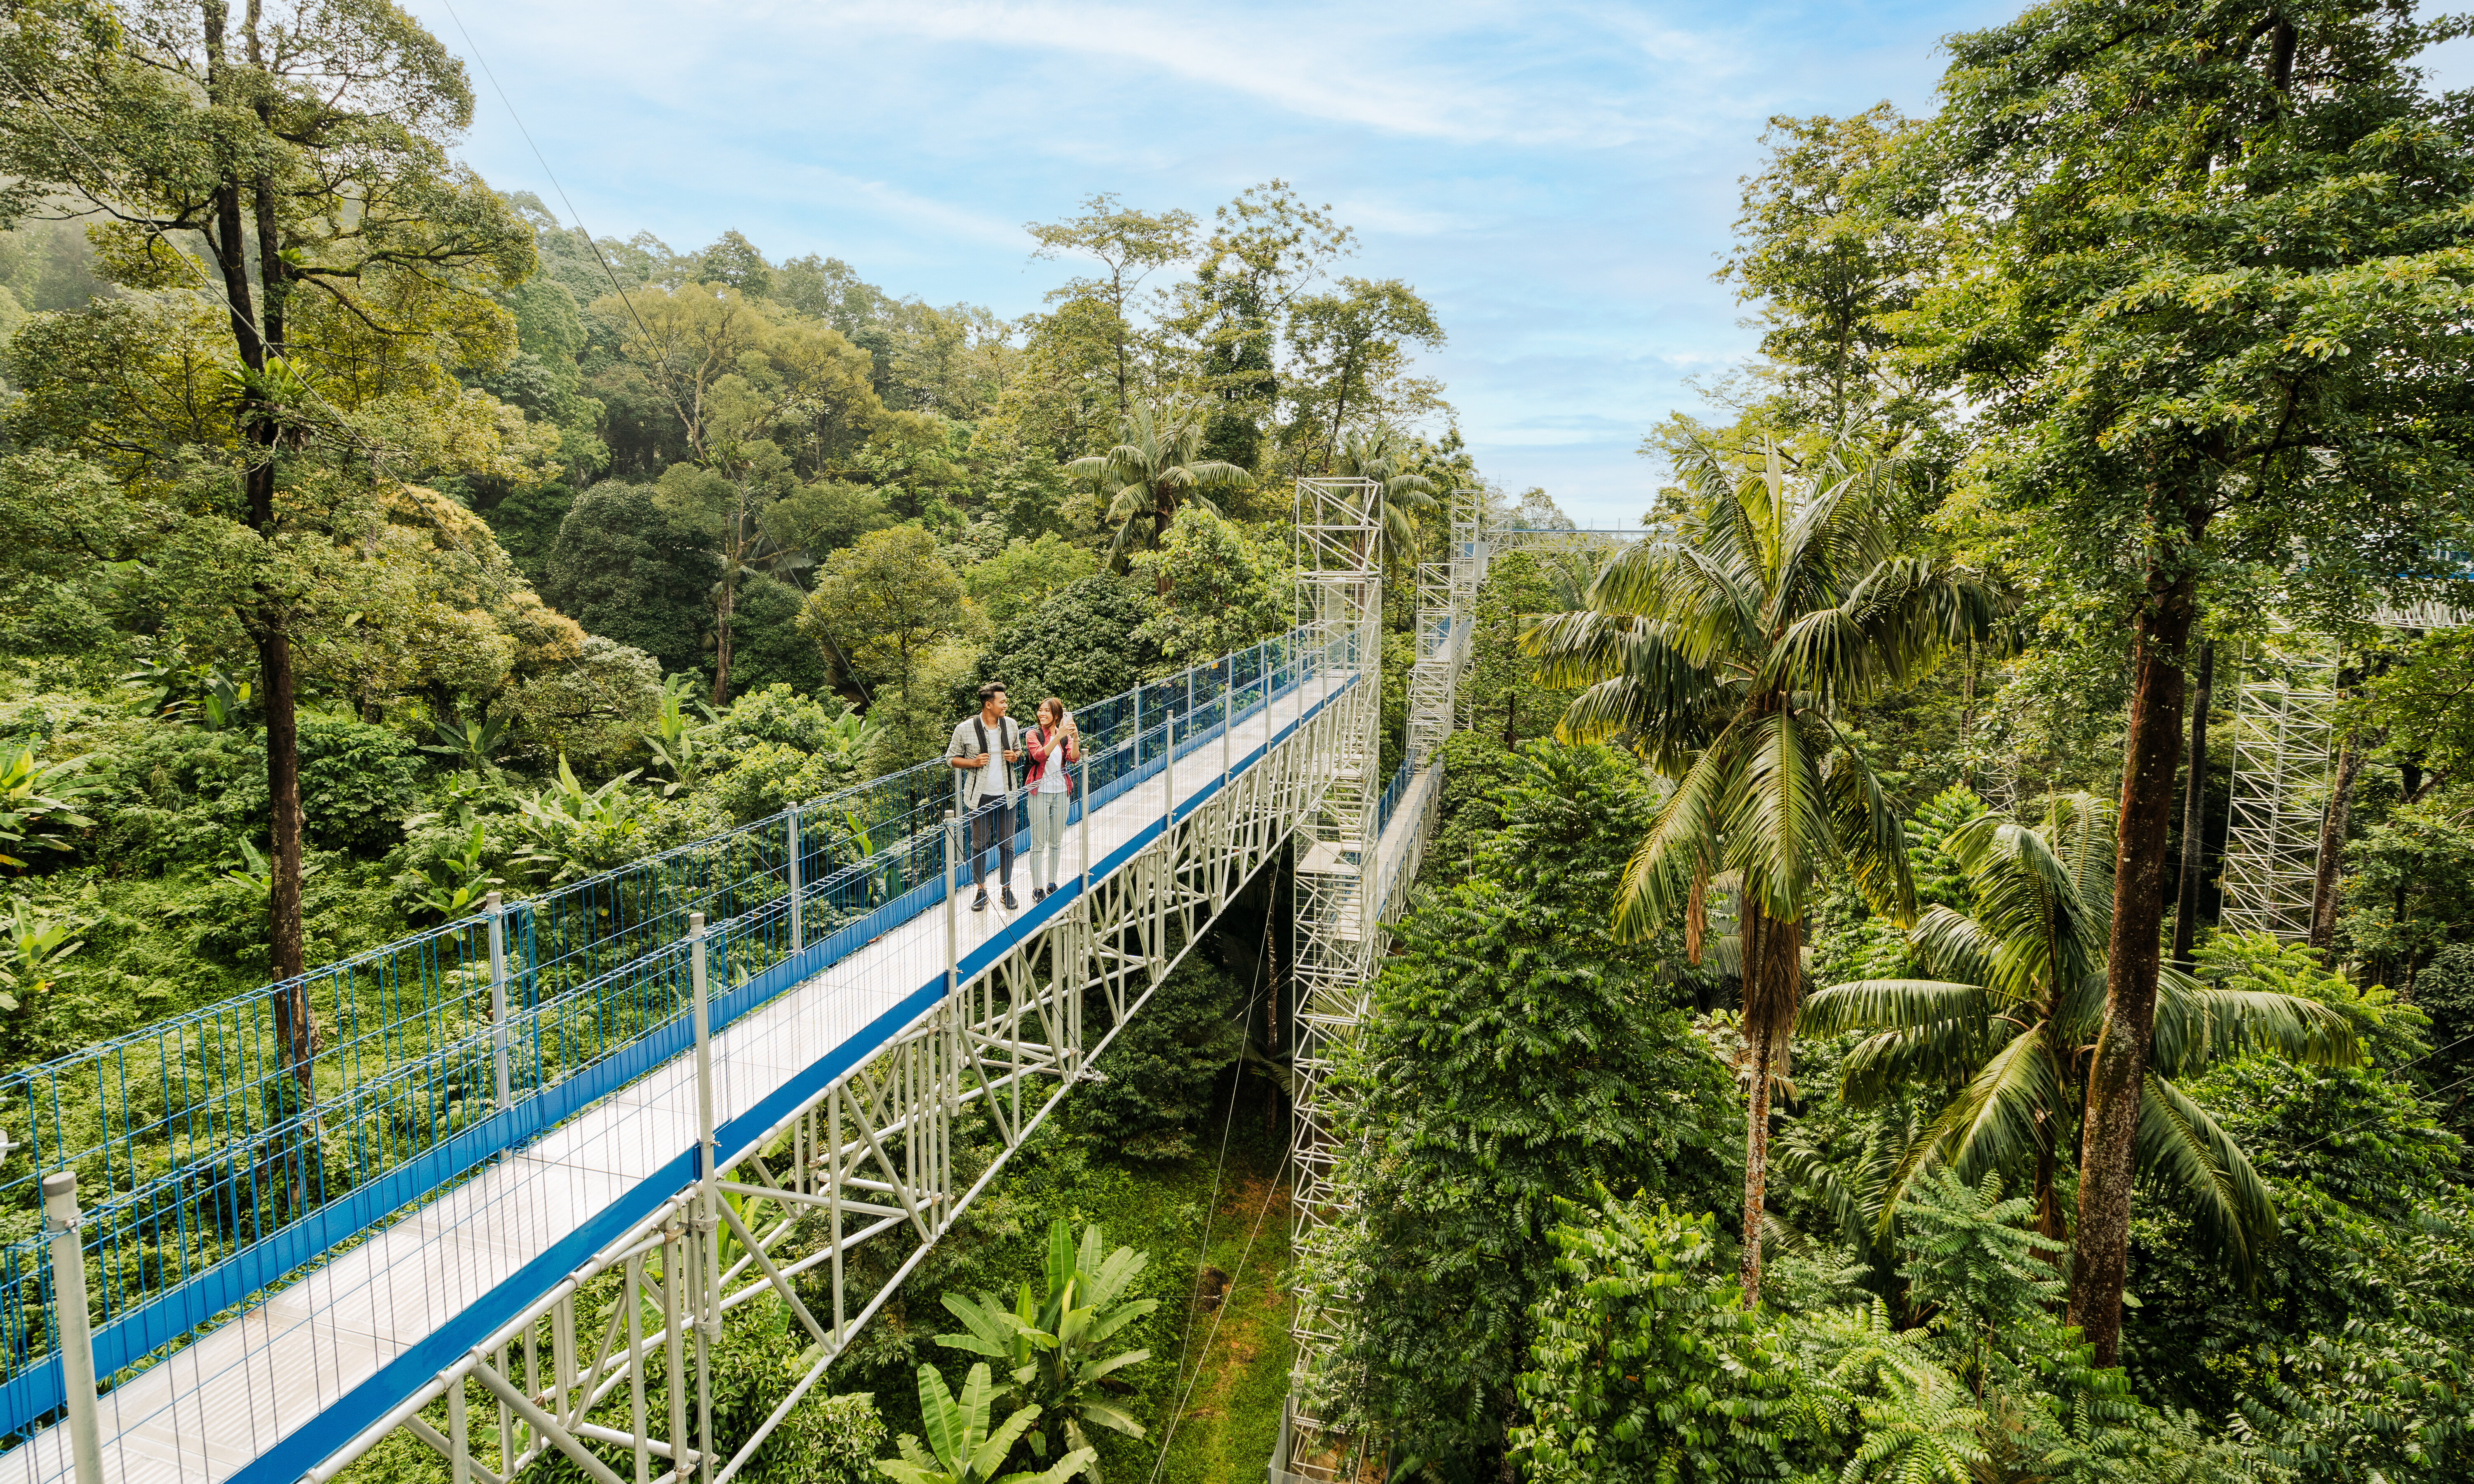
[297,1381]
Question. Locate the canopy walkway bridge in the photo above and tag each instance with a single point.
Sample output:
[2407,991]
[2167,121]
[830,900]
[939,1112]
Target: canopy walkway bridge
[488,1185]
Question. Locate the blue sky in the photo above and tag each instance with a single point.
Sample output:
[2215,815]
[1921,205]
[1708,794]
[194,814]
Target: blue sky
[1557,179]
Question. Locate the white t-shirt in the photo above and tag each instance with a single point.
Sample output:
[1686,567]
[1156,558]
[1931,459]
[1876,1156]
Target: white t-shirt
[1052,776]
[995,779]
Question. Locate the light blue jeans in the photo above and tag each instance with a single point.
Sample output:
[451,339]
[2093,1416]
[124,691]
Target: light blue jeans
[1049,813]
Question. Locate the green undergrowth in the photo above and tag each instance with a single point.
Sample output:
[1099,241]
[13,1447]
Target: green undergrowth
[1226,1311]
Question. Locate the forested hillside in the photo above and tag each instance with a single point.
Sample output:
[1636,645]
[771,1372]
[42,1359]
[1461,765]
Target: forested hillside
[1817,1046]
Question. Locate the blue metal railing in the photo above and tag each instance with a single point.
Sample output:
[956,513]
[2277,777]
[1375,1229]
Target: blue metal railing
[1393,792]
[210,1173]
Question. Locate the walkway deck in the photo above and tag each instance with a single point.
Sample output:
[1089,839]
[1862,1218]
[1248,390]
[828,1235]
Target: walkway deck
[335,1349]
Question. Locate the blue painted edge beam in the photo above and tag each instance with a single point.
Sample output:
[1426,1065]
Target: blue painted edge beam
[38,1391]
[408,1373]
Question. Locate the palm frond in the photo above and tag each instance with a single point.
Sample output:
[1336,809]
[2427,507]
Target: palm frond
[1992,1123]
[1777,816]
[1868,835]
[1679,846]
[2199,1024]
[1889,1005]
[2180,1148]
[1956,944]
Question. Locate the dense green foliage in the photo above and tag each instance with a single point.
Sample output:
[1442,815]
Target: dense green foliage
[1516,1054]
[371,541]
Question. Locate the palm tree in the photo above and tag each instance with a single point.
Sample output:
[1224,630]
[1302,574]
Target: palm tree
[1724,651]
[1157,465]
[2012,1020]
[1375,456]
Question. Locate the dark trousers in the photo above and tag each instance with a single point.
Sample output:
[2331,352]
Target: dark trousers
[992,824]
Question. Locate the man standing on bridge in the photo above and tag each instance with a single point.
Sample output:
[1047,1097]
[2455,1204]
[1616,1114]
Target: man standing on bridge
[985,783]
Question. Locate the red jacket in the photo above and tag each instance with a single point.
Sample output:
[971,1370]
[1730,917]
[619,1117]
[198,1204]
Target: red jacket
[1041,750]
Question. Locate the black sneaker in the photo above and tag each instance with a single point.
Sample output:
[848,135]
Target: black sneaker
[1051,888]
[980,903]
[1010,903]
[1039,893]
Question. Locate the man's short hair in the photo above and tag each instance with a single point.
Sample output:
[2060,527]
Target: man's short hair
[990,691]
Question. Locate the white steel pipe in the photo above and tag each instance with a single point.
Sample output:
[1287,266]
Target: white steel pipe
[497,911]
[791,828]
[72,1337]
[952,890]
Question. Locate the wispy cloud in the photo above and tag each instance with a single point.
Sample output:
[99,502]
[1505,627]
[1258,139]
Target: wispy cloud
[1555,175]
[1468,74]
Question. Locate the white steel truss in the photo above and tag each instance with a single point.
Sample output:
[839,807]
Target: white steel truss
[2284,714]
[795,1166]
[870,1157]
[2285,741]
[1340,590]
[1348,935]
[1446,606]
[1341,595]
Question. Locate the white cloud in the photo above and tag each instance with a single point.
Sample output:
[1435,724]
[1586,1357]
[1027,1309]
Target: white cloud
[1554,175]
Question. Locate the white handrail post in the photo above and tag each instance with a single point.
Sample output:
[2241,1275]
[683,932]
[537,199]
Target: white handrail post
[1228,717]
[1263,675]
[500,1032]
[1086,820]
[798,936]
[1168,764]
[71,1335]
[952,890]
[696,969]
[708,1223]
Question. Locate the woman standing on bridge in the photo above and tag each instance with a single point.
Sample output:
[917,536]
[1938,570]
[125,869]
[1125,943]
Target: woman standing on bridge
[1054,748]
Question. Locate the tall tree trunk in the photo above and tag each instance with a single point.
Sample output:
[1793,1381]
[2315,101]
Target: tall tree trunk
[1163,515]
[1967,722]
[1773,980]
[2335,822]
[2118,1074]
[2048,1203]
[288,951]
[296,1029]
[2194,789]
[727,606]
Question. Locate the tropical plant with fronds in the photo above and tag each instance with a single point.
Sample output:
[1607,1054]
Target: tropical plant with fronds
[676,741]
[573,833]
[1056,1345]
[1726,652]
[456,885]
[38,803]
[849,738]
[1155,466]
[255,873]
[2011,1018]
[35,941]
[473,742]
[1376,455]
[961,1448]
